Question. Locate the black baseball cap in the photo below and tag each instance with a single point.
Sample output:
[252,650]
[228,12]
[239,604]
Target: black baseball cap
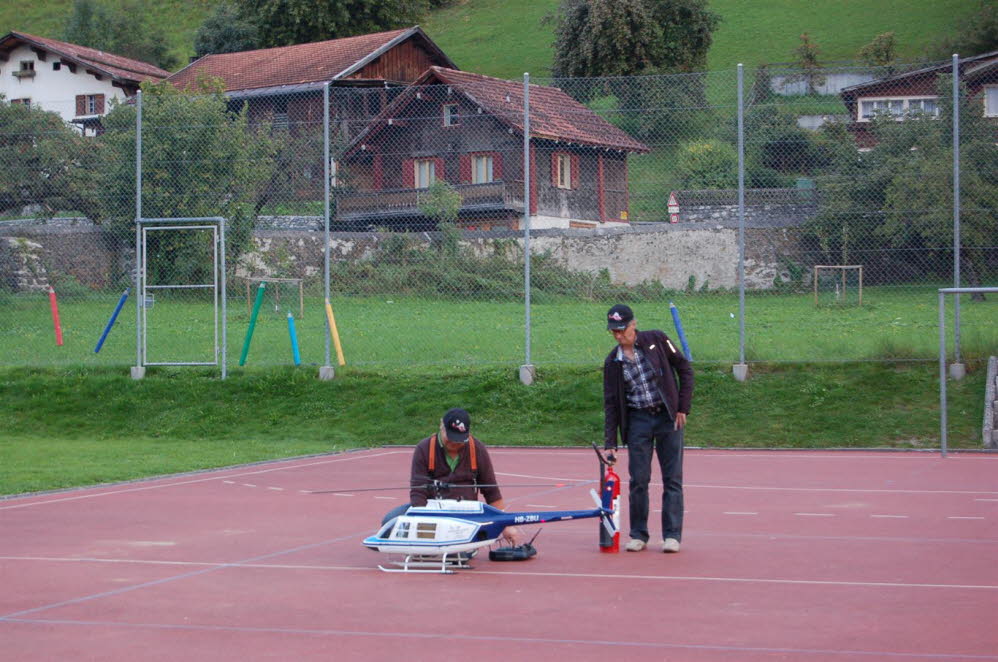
[457,424]
[618,317]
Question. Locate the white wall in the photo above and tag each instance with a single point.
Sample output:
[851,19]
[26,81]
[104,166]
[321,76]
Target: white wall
[52,90]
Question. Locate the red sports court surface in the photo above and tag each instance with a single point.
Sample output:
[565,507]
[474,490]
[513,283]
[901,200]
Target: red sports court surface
[786,556]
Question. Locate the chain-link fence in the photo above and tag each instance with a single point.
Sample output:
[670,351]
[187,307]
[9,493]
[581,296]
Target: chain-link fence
[783,215]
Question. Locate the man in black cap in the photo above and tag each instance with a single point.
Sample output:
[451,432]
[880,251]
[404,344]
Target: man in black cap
[647,392]
[454,457]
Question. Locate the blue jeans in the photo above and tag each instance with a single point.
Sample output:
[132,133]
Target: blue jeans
[647,432]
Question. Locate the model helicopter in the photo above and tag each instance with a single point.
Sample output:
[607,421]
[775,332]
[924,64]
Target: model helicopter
[443,535]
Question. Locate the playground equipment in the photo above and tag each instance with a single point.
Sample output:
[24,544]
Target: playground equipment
[679,330]
[295,354]
[54,305]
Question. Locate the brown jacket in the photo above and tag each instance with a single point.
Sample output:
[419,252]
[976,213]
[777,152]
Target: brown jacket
[463,475]
[667,361]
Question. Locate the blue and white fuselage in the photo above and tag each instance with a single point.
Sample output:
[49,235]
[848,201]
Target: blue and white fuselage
[447,526]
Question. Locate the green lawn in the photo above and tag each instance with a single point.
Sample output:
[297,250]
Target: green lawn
[389,331]
[80,426]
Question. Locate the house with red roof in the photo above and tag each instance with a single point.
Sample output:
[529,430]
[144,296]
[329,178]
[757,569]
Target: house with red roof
[75,81]
[916,92]
[284,85]
[468,130]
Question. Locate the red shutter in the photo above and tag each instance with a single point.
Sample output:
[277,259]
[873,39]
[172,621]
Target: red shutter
[575,171]
[496,166]
[533,180]
[464,168]
[100,104]
[81,105]
[554,169]
[408,173]
[438,169]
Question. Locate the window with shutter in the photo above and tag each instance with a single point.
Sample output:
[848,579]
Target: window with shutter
[81,104]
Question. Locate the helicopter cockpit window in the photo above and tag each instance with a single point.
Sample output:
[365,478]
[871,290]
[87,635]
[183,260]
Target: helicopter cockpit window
[401,530]
[426,530]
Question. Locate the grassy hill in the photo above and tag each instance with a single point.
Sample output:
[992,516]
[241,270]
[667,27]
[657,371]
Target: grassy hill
[507,37]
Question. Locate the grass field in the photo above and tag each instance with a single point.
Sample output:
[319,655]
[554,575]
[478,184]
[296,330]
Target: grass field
[507,37]
[893,323]
[79,426]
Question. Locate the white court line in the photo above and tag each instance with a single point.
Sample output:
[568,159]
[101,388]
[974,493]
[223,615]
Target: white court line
[285,465]
[229,482]
[580,481]
[735,512]
[481,571]
[815,514]
[539,505]
[834,489]
[959,517]
[985,499]
[341,494]
[385,497]
[891,516]
[276,489]
[248,485]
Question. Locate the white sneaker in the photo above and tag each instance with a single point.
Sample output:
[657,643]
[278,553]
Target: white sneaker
[635,545]
[670,546]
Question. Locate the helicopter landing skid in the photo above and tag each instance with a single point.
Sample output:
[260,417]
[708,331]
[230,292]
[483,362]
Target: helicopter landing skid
[444,565]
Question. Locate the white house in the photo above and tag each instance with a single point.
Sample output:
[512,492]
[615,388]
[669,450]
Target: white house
[75,81]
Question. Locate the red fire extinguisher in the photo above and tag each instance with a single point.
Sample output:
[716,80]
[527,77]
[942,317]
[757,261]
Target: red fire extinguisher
[610,497]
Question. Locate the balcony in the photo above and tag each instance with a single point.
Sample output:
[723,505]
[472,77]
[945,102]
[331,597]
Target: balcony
[23,73]
[392,204]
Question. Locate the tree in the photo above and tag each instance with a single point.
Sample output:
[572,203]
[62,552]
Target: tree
[44,164]
[707,164]
[124,28]
[808,65]
[287,22]
[976,34]
[198,159]
[631,37]
[225,30]
[897,199]
[881,52]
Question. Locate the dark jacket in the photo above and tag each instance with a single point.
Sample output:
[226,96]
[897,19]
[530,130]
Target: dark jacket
[667,361]
[462,475]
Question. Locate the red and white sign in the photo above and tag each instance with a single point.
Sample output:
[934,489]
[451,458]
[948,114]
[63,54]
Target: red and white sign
[674,218]
[673,208]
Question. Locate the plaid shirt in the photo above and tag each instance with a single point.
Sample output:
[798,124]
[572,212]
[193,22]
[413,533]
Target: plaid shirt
[638,380]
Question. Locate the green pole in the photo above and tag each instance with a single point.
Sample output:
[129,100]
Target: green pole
[249,331]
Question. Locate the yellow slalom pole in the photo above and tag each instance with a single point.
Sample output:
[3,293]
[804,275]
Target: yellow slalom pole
[336,334]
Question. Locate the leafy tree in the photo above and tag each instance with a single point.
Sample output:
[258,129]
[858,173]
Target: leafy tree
[631,37]
[975,34]
[899,195]
[124,28]
[198,159]
[225,30]
[707,164]
[287,22]
[808,65]
[881,52]
[44,164]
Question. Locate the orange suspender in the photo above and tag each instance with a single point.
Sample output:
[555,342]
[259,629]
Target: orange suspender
[433,454]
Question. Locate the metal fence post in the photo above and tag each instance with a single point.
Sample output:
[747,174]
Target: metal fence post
[957,367]
[942,372]
[527,371]
[741,369]
[326,372]
[138,371]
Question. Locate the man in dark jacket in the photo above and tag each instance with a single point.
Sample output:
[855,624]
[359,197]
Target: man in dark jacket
[647,392]
[460,462]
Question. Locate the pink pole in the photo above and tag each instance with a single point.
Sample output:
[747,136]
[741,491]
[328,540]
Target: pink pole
[55,316]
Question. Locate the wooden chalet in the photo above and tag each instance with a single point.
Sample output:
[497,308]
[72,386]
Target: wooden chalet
[284,85]
[916,92]
[467,129]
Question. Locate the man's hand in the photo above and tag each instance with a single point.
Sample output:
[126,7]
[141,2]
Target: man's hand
[513,535]
[680,421]
[609,456]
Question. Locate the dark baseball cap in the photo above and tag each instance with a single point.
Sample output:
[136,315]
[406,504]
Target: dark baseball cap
[457,424]
[618,317]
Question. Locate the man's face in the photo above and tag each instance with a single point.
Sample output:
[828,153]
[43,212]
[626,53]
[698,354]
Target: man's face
[626,336]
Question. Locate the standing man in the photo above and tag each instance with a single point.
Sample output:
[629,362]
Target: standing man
[647,391]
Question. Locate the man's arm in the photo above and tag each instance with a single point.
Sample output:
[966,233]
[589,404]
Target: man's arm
[419,475]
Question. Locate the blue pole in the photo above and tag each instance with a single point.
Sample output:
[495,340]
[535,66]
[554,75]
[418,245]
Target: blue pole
[110,322]
[294,339]
[679,330]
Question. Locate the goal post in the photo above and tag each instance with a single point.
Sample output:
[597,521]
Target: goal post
[942,353]
[844,278]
